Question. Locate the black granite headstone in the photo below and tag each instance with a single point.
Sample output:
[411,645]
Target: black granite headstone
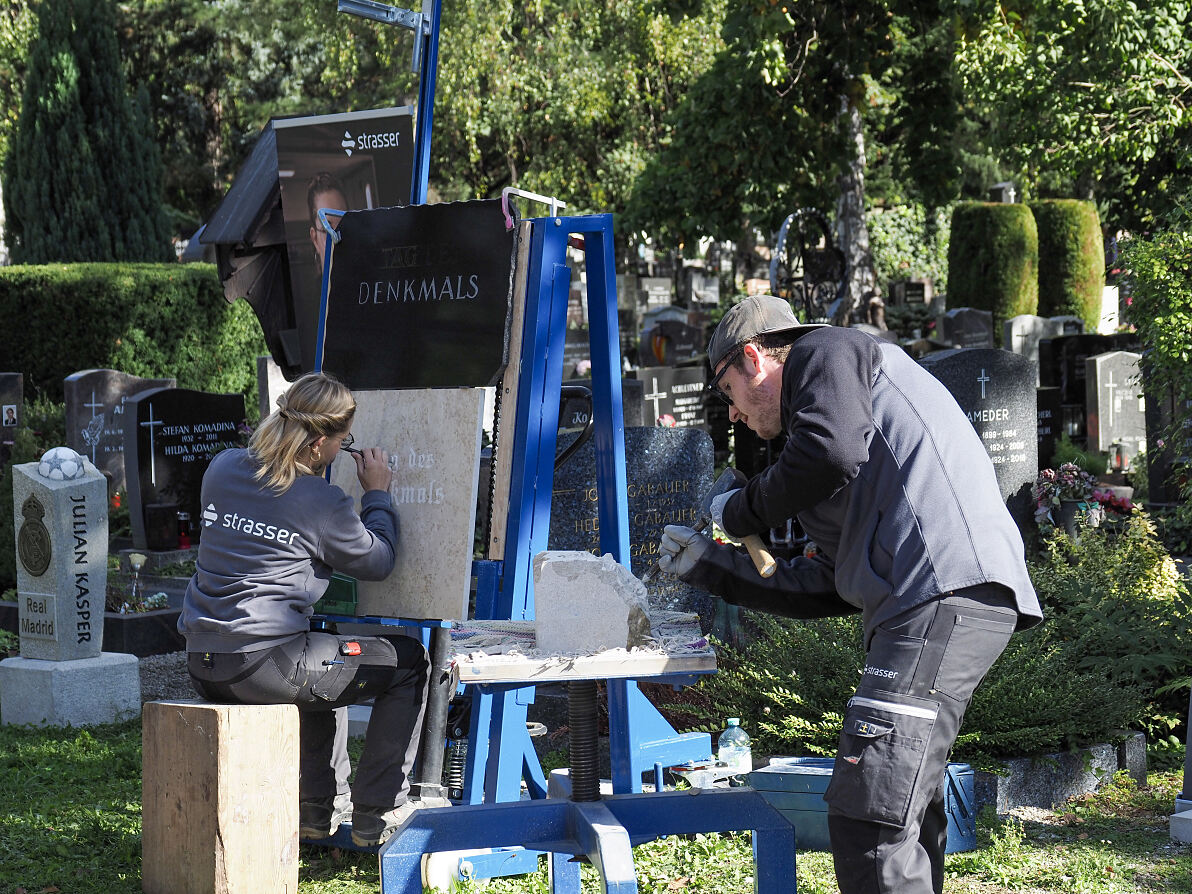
[577,350]
[170,437]
[575,411]
[996,390]
[12,390]
[670,342]
[1050,417]
[1169,446]
[674,397]
[420,297]
[967,327]
[669,471]
[95,400]
[1062,360]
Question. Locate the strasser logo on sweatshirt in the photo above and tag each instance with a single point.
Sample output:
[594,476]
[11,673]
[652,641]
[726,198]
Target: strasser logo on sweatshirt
[236,522]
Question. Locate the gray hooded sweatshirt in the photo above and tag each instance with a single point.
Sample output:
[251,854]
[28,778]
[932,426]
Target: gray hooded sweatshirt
[266,558]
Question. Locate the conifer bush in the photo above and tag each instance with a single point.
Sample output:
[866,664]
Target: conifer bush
[993,260]
[1071,259]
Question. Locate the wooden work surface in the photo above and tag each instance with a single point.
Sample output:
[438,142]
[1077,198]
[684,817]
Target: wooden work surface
[602,666]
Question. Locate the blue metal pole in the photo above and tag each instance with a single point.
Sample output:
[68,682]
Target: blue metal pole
[427,78]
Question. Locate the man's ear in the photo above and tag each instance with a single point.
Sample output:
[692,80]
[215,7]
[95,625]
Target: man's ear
[751,360]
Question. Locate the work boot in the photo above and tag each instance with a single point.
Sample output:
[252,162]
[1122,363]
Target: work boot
[321,817]
[373,826]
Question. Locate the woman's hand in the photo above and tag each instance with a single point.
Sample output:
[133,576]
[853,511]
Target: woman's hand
[372,468]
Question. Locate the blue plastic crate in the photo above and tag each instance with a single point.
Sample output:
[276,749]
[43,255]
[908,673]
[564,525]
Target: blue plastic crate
[795,786]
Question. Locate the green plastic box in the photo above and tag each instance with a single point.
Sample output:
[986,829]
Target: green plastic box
[340,598]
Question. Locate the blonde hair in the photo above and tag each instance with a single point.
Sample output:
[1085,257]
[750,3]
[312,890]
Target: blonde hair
[315,406]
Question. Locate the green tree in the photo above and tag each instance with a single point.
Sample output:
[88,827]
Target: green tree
[780,121]
[82,177]
[1075,92]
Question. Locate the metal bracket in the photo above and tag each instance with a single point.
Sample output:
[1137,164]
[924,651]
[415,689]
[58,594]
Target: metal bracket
[418,22]
[508,191]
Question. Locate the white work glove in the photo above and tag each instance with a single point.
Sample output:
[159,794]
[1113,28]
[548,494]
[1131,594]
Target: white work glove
[680,549]
[717,510]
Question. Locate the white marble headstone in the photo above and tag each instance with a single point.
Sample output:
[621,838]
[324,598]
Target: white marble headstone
[585,604]
[61,526]
[433,438]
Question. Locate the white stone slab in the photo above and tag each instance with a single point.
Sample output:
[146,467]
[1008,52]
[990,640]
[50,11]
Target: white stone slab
[585,603]
[1107,323]
[433,439]
[83,692]
[62,562]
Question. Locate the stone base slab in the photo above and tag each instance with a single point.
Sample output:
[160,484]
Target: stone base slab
[1047,780]
[1181,827]
[80,692]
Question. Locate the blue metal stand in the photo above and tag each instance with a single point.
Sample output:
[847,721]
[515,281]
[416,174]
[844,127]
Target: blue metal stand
[602,831]
[639,735]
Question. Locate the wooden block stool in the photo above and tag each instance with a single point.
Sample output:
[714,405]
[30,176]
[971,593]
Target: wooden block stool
[219,798]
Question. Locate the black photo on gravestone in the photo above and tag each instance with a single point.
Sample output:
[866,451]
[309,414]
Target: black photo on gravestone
[170,437]
[95,401]
[674,396]
[1049,413]
[12,390]
[668,472]
[420,297]
[996,391]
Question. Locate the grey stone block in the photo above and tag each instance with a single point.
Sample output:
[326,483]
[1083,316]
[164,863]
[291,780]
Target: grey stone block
[1131,755]
[1047,780]
[82,692]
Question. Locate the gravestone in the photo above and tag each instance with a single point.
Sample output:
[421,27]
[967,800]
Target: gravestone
[1050,424]
[577,351]
[700,287]
[674,397]
[170,437]
[1169,453]
[1066,325]
[658,291]
[1062,365]
[966,327]
[912,291]
[420,297]
[62,559]
[433,440]
[12,389]
[996,391]
[668,472]
[669,342]
[1116,407]
[95,402]
[271,384]
[575,411]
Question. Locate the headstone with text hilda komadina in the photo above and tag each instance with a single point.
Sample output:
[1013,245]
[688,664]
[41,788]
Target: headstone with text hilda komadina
[996,391]
[170,437]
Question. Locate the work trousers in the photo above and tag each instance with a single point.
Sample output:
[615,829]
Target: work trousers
[320,672]
[886,817]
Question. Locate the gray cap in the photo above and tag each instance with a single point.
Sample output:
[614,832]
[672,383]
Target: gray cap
[756,315]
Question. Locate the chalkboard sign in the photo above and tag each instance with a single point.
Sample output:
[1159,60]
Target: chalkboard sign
[419,297]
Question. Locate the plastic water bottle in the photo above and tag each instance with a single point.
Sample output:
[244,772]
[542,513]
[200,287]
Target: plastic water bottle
[734,748]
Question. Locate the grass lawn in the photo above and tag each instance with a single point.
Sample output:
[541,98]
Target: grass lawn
[70,823]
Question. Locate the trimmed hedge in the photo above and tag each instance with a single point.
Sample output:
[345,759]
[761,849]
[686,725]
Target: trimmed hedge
[1071,259]
[993,260]
[144,319]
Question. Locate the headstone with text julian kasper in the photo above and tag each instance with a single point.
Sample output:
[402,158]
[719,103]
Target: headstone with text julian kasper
[61,526]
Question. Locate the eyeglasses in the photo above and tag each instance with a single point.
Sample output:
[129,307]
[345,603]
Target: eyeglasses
[347,442]
[714,386]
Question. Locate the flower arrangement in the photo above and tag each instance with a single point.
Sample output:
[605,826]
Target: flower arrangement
[1072,484]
